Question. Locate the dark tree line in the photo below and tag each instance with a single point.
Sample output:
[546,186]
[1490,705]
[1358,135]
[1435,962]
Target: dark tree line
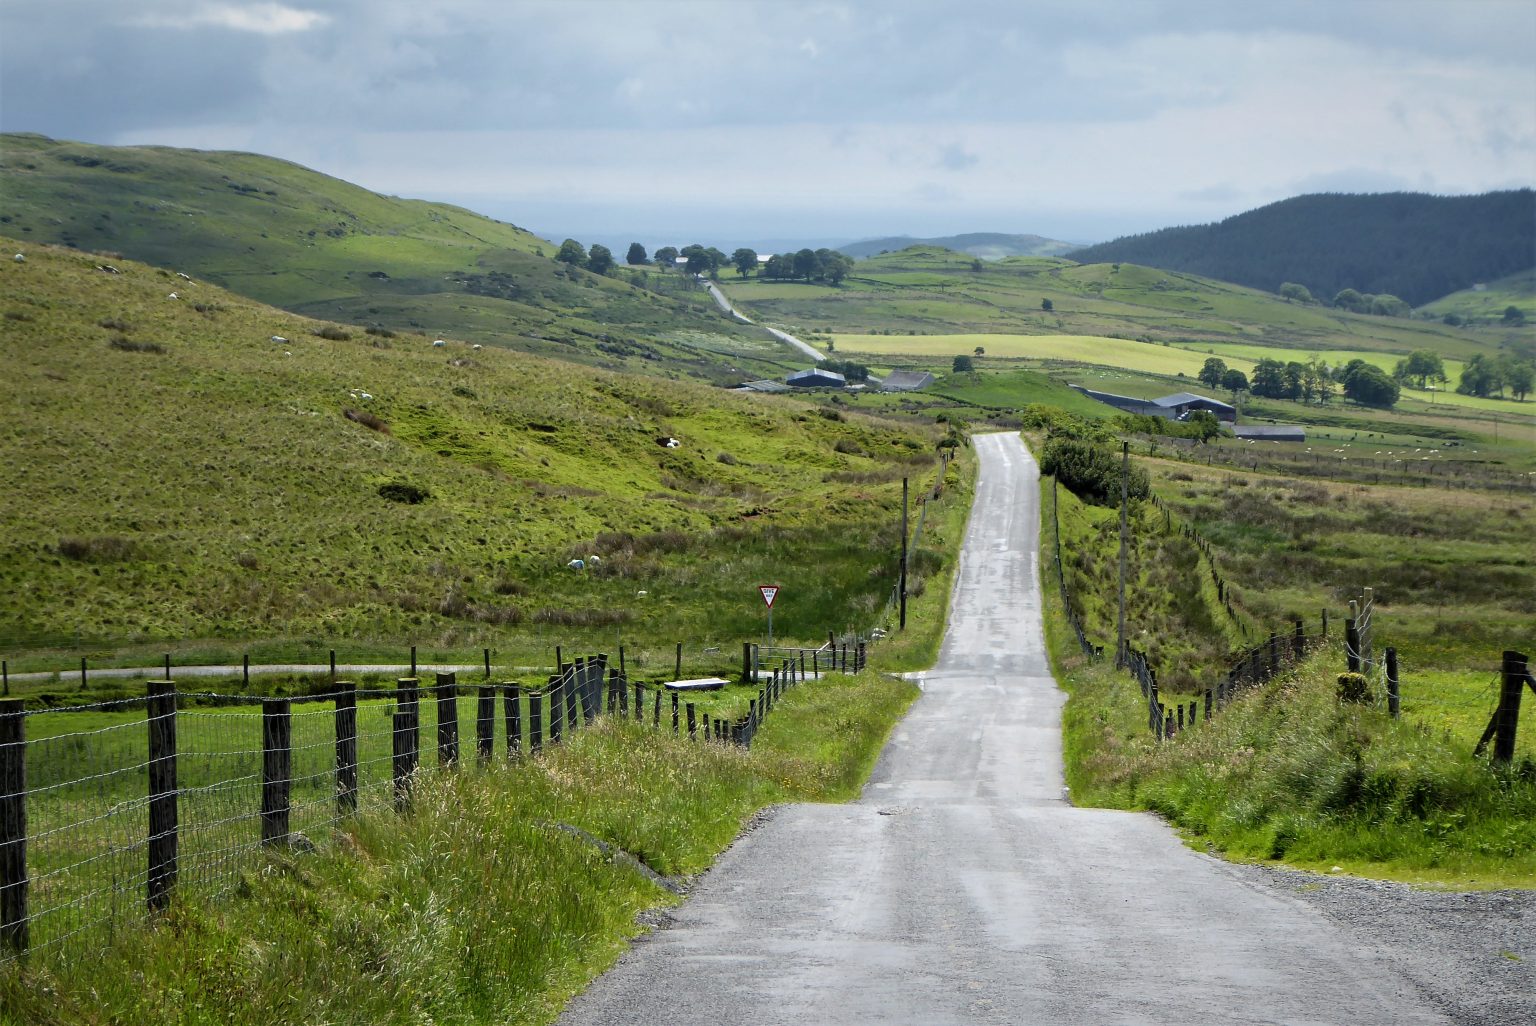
[1407,245]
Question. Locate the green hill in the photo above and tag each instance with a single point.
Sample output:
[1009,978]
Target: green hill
[1413,246]
[177,474]
[986,245]
[313,244]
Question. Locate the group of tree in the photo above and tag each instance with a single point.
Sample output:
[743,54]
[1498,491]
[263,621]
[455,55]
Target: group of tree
[818,265]
[1217,374]
[850,369]
[1491,375]
[1423,365]
[1412,245]
[598,259]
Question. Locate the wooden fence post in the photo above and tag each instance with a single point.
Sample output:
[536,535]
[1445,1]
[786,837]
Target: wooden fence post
[276,770]
[447,719]
[674,712]
[639,702]
[746,663]
[693,727]
[485,723]
[512,704]
[346,748]
[678,671]
[1299,642]
[1394,699]
[161,710]
[535,721]
[1209,699]
[406,735]
[14,932]
[1352,645]
[556,712]
[623,700]
[1507,719]
[572,684]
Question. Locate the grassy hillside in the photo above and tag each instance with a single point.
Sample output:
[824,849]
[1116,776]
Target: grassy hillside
[986,245]
[297,239]
[1487,302]
[177,475]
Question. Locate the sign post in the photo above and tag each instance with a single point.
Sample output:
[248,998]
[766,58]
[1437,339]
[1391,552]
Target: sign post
[769,593]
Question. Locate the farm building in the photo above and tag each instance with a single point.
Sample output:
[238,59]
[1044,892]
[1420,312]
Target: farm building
[815,377]
[1170,407]
[764,385]
[1272,432]
[906,381]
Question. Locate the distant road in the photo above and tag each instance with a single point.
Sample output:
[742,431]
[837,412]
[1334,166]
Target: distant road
[964,887]
[783,336]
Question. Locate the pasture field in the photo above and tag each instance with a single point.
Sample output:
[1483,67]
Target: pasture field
[1124,354]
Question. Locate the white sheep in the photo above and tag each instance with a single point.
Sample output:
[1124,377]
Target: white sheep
[438,344]
[576,564]
[184,277]
[476,347]
[593,561]
[279,340]
[20,258]
[173,296]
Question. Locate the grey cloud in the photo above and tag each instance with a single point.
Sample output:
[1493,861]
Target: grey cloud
[954,157]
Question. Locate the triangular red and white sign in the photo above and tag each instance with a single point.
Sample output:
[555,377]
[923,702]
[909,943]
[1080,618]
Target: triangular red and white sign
[770,591]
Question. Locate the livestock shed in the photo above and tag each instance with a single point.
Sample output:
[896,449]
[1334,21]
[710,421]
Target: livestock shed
[815,377]
[765,385]
[906,381]
[1271,432]
[1170,407]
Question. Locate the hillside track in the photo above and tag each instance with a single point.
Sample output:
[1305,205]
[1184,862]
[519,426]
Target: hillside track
[963,887]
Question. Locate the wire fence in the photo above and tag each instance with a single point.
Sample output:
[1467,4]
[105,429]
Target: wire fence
[108,809]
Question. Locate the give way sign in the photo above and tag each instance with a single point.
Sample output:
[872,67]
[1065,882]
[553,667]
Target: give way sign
[770,592]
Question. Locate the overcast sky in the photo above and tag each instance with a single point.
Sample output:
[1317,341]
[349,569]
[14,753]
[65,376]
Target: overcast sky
[729,121]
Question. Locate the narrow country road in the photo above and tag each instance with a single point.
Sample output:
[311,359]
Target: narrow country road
[964,888]
[783,336]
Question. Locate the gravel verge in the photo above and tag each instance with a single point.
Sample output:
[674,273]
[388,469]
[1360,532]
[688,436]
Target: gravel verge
[1472,954]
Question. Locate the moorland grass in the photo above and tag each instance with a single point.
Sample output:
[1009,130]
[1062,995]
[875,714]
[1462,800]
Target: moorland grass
[216,495]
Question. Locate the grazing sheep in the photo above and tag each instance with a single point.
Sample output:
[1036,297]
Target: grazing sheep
[668,442]
[476,347]
[20,258]
[107,269]
[593,561]
[577,564]
[184,277]
[173,296]
[439,344]
[279,339]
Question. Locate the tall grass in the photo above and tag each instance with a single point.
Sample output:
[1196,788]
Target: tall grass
[480,906]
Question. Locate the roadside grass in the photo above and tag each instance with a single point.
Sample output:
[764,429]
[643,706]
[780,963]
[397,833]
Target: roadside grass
[217,494]
[1287,773]
[478,906]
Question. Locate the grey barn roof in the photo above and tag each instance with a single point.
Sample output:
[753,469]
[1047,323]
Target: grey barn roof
[815,376]
[906,381]
[1272,432]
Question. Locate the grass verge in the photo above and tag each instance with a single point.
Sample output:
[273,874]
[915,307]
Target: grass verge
[478,907]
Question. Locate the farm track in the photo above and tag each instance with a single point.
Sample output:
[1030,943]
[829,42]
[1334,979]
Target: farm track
[963,887]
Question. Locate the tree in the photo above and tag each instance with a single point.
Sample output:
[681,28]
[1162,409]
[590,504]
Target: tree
[1349,299]
[745,260]
[1389,306]
[1480,377]
[636,254]
[779,266]
[1269,379]
[1047,305]
[1369,385]
[717,260]
[806,264]
[573,253]
[1514,315]
[962,365]
[1519,376]
[1212,371]
[980,351]
[697,257]
[976,264]
[1091,471]
[834,265]
[1322,379]
[1296,293]
[1234,381]
[1424,364]
[1205,424]
[666,257]
[599,259]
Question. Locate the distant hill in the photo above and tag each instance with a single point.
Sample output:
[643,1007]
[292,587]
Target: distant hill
[1410,245]
[986,245]
[307,242]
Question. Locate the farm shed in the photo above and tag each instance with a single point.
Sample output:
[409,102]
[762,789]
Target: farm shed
[815,377]
[1272,432]
[1170,407]
[765,385]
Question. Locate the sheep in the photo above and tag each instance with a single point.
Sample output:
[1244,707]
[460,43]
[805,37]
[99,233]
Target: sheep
[107,269]
[439,344]
[577,564]
[20,258]
[476,347]
[184,277]
[279,340]
[173,296]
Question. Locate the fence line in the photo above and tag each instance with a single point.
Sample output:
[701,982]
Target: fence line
[101,826]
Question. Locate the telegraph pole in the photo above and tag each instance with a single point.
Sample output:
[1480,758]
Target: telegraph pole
[1125,490]
[903,553]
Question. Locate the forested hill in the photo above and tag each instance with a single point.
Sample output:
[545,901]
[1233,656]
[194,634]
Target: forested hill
[1410,245]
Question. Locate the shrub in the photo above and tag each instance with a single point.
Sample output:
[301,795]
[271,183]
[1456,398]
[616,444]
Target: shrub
[127,345]
[379,330]
[726,458]
[113,323]
[1091,471]
[107,548]
[848,447]
[400,491]
[367,420]
[1354,687]
[334,333]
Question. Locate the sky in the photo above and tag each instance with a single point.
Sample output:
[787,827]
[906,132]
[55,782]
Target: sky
[738,122]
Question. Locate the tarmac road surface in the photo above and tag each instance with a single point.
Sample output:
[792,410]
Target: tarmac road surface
[964,888]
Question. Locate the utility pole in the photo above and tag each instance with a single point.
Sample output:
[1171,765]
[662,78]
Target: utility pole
[903,553]
[1125,491]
